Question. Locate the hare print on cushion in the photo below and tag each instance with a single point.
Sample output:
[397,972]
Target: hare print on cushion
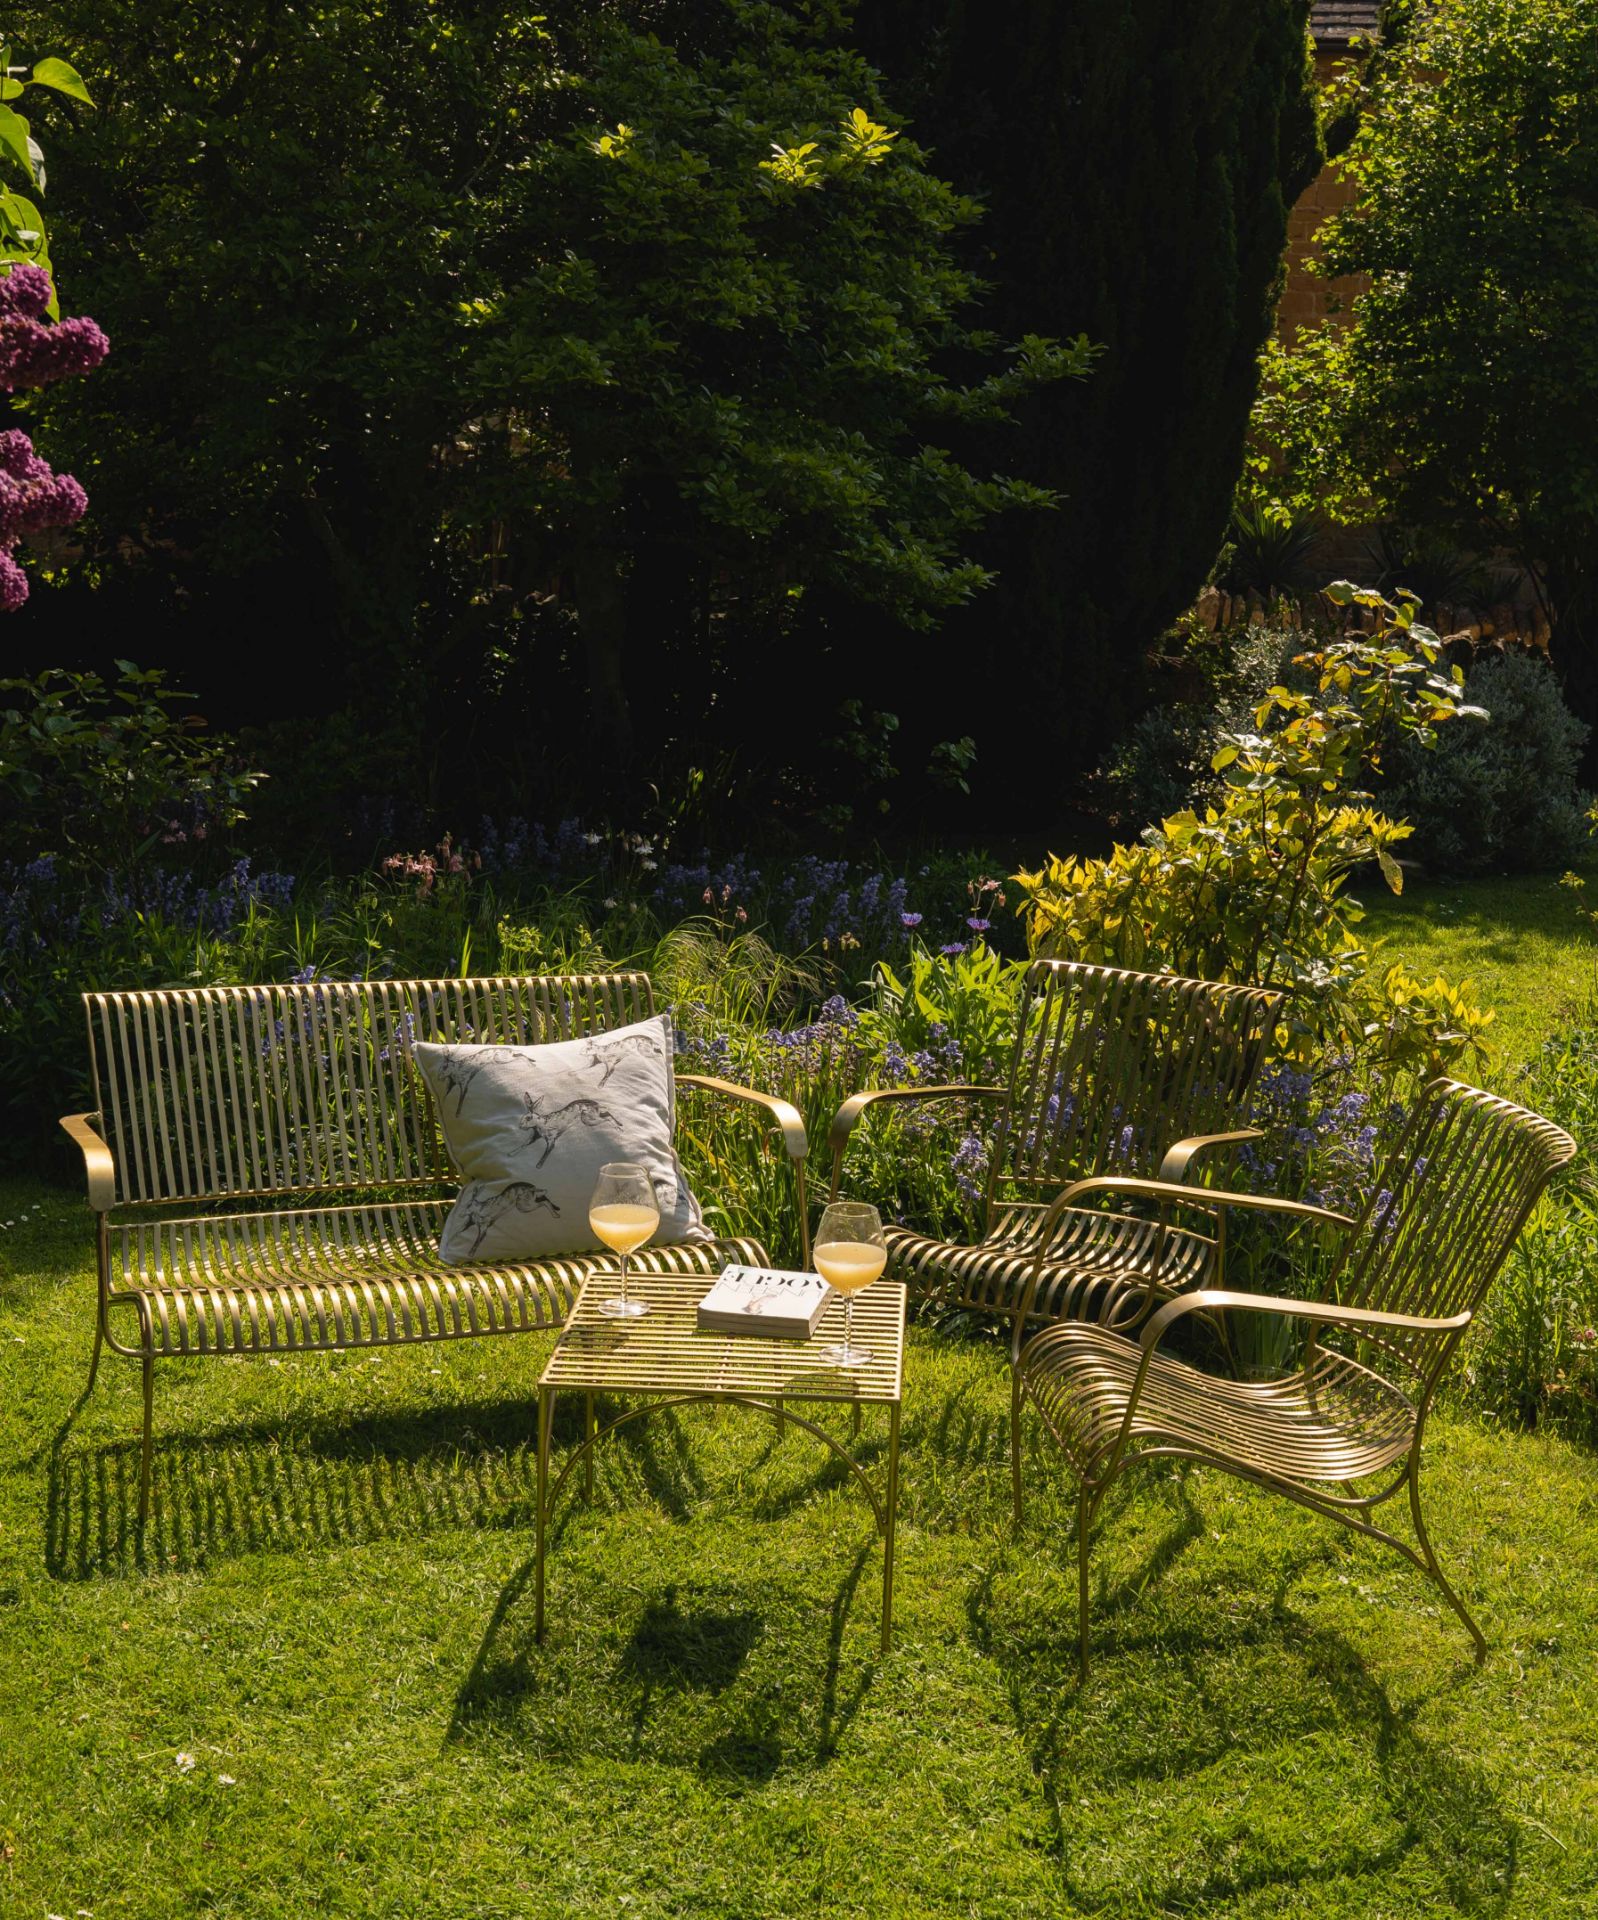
[530,1127]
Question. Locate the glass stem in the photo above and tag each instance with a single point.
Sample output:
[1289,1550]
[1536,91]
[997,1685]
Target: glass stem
[848,1323]
[624,1277]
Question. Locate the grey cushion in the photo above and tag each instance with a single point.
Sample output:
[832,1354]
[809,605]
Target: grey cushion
[530,1127]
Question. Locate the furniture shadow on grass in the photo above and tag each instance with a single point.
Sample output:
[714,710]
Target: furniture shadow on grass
[252,1489]
[1239,1686]
[730,1679]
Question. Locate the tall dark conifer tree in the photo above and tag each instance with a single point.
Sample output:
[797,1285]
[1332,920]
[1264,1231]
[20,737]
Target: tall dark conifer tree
[1138,159]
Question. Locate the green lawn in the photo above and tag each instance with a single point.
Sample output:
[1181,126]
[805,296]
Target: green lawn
[332,1615]
[1521,940]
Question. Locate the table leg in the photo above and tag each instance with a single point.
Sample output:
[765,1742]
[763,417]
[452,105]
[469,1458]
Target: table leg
[892,1523]
[546,1414]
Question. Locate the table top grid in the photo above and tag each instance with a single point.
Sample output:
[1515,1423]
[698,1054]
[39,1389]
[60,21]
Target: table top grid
[664,1351]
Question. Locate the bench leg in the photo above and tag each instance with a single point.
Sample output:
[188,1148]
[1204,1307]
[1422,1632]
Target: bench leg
[94,1363]
[144,1455]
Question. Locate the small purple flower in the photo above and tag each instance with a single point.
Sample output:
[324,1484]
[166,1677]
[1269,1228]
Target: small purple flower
[954,947]
[909,921]
[977,924]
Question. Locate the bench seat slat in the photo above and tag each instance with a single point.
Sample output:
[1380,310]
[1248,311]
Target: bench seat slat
[325,1279]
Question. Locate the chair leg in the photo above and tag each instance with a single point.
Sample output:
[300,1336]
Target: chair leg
[144,1457]
[1082,1522]
[1435,1570]
[94,1362]
[1015,1444]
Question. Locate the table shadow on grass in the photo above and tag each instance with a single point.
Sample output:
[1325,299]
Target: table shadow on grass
[715,1676]
[249,1488]
[1238,1682]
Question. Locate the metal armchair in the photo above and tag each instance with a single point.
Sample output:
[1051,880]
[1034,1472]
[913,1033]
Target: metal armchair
[1410,1276]
[1111,1073]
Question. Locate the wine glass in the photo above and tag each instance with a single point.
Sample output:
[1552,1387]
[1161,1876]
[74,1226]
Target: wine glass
[849,1255]
[623,1214]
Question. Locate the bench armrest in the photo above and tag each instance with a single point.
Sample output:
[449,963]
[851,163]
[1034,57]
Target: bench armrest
[1177,1159]
[98,1164]
[786,1117]
[848,1115]
[783,1112]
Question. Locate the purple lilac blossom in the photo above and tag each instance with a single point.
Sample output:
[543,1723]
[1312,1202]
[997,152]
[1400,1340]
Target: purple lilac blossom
[33,352]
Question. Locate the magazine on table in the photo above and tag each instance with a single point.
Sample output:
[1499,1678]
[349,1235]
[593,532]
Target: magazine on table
[764,1300]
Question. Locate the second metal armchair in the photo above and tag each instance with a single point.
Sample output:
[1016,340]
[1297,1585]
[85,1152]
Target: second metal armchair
[1111,1073]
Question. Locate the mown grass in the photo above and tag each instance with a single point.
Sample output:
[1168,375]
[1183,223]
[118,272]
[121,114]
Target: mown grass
[1520,938]
[333,1609]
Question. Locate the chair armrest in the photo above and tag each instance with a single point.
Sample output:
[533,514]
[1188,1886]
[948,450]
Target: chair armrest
[783,1112]
[1318,1312]
[1210,1199]
[98,1164]
[1177,1159]
[847,1116]
[786,1116]
[1216,1200]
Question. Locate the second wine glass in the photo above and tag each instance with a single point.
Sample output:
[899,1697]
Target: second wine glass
[849,1253]
[623,1214]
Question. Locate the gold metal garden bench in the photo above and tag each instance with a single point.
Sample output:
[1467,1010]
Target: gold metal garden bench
[1111,1072]
[268,1174]
[1410,1275]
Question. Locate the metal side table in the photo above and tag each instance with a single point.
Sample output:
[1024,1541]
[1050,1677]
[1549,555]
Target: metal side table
[663,1360]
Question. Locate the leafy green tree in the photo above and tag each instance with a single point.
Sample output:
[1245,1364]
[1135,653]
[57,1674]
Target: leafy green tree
[1460,391]
[624,333]
[1137,159]
[272,210]
[740,306]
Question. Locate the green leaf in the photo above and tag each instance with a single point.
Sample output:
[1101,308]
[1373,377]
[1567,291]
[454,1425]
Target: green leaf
[63,77]
[14,139]
[1392,872]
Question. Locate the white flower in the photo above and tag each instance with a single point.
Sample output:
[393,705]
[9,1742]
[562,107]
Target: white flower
[591,839]
[610,900]
[649,866]
[226,1780]
[185,1763]
[642,847]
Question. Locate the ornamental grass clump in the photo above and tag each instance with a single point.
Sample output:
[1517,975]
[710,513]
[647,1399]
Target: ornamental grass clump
[1253,889]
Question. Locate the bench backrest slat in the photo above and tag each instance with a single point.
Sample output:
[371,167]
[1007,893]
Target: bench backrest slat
[207,1093]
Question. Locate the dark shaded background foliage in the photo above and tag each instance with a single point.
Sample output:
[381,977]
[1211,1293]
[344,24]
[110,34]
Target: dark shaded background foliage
[267,212]
[1137,159]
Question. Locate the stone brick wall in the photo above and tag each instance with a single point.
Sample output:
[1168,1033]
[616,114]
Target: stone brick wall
[1306,298]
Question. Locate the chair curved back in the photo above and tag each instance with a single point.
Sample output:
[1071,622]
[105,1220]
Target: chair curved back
[210,1093]
[1452,1197]
[1112,1068]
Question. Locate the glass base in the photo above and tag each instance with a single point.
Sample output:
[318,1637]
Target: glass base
[624,1309]
[845,1356]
